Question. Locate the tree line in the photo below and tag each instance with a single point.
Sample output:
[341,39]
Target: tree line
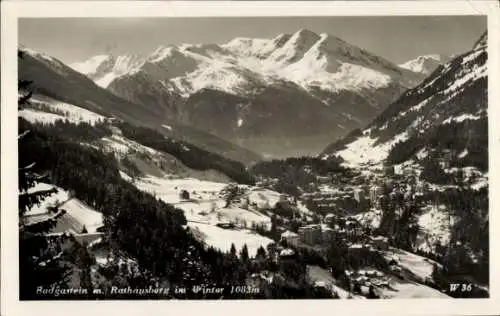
[190,155]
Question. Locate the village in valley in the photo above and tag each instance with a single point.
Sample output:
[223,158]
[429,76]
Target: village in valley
[350,235]
[138,185]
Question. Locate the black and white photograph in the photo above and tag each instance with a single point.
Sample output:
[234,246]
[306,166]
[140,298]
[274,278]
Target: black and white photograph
[252,158]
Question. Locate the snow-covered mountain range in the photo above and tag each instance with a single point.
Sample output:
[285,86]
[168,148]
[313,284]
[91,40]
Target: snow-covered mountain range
[58,82]
[425,64]
[305,58]
[249,90]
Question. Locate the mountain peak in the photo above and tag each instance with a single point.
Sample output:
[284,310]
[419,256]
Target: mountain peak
[436,57]
[305,35]
[425,64]
[162,52]
[306,32]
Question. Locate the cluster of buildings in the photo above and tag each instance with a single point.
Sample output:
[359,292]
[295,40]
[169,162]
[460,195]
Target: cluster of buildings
[373,243]
[311,235]
[332,226]
[363,280]
[370,194]
[347,228]
[329,201]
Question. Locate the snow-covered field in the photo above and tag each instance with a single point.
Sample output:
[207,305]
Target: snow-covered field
[205,209]
[406,289]
[78,214]
[264,197]
[121,145]
[420,266]
[169,189]
[223,238]
[35,116]
[363,150]
[83,215]
[49,201]
[318,274]
[62,111]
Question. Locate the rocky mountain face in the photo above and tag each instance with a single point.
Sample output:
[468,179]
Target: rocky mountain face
[444,115]
[54,79]
[284,96]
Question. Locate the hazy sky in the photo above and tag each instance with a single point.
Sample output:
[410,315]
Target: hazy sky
[395,38]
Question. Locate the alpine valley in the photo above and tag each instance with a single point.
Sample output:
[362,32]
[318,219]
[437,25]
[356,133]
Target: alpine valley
[299,166]
[279,97]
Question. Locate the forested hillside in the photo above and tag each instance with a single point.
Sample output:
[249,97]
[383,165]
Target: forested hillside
[137,223]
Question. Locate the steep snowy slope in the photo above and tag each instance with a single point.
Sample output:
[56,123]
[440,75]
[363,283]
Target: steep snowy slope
[63,85]
[447,112]
[327,83]
[425,64]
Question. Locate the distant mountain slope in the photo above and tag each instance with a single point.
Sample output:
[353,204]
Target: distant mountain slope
[425,64]
[430,150]
[105,68]
[55,80]
[323,84]
[444,116]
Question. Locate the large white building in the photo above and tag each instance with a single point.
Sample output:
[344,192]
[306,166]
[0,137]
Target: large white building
[359,195]
[375,192]
[310,234]
[291,238]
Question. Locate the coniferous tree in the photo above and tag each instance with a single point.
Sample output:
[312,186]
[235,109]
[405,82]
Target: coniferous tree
[244,253]
[232,251]
[274,231]
[261,253]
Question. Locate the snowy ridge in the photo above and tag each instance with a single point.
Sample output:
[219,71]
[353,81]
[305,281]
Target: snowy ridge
[304,58]
[47,60]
